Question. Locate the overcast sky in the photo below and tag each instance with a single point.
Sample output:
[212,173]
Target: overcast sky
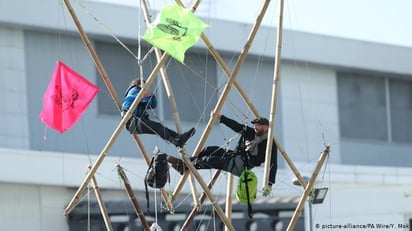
[385,21]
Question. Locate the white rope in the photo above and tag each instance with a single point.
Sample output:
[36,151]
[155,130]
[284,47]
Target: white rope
[106,29]
[88,208]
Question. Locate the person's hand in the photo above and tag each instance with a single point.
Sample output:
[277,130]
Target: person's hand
[267,190]
[147,94]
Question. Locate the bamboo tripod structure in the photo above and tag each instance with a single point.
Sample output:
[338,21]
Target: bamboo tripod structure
[159,68]
[220,61]
[226,90]
[244,96]
[117,131]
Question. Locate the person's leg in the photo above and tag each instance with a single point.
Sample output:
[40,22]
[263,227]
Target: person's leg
[210,157]
[234,165]
[177,164]
[211,150]
[147,126]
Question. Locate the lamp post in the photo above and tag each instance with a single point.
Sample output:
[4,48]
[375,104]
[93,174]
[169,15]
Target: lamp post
[317,196]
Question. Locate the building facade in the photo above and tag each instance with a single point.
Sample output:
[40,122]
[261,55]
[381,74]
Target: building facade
[354,95]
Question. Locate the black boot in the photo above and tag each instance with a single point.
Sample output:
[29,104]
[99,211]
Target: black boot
[185,137]
[177,164]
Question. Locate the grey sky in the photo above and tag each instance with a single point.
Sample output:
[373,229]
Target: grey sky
[381,21]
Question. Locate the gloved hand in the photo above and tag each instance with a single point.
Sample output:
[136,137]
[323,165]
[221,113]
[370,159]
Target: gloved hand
[267,191]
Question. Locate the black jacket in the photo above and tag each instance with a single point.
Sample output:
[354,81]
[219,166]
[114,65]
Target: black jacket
[249,134]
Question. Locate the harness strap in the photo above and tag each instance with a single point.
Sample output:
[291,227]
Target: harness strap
[249,205]
[145,185]
[245,158]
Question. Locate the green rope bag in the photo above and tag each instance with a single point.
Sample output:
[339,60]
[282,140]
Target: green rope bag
[247,187]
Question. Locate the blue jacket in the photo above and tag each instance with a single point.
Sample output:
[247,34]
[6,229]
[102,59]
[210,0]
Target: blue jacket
[148,102]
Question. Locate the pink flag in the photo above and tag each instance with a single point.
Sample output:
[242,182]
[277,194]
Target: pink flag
[67,97]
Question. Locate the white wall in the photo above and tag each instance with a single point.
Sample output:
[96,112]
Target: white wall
[36,187]
[32,207]
[309,111]
[13,103]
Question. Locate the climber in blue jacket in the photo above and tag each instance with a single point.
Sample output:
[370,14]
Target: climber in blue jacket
[140,122]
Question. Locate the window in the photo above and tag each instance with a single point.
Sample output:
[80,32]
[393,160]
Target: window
[375,107]
[193,84]
[401,110]
[195,87]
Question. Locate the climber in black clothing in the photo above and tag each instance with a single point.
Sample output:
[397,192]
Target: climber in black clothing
[250,151]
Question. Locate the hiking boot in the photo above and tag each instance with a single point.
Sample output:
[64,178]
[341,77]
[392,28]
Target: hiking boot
[177,164]
[185,137]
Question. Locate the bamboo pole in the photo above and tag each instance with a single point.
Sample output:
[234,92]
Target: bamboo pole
[271,130]
[308,189]
[244,96]
[164,74]
[229,192]
[132,198]
[110,87]
[209,194]
[102,206]
[196,200]
[101,70]
[248,102]
[170,95]
[114,136]
[202,198]
[226,91]
[95,58]
[172,101]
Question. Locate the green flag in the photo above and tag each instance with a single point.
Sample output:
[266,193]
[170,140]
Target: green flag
[175,30]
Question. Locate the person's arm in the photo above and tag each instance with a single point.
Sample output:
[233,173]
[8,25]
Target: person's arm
[273,165]
[129,97]
[149,101]
[232,124]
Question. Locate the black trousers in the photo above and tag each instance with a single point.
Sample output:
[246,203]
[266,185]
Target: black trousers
[218,158]
[147,126]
